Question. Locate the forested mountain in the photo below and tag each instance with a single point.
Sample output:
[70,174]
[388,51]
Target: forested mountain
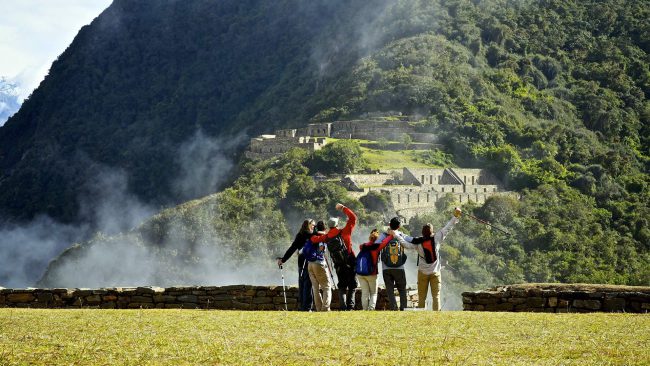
[550,95]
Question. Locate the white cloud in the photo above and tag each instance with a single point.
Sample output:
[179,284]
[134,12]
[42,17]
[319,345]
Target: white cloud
[33,33]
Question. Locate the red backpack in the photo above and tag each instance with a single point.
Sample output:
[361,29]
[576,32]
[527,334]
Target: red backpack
[429,248]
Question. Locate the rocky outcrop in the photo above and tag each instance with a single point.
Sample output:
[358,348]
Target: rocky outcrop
[560,298]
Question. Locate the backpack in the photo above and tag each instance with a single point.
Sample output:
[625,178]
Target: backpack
[393,254]
[339,252]
[365,266]
[312,252]
[429,249]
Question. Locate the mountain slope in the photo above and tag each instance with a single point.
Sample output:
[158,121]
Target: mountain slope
[549,95]
[146,75]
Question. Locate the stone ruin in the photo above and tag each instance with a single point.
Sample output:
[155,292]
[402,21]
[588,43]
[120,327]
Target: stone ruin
[417,190]
[233,297]
[560,298]
[314,136]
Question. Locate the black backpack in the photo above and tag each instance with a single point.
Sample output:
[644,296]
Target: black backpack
[339,252]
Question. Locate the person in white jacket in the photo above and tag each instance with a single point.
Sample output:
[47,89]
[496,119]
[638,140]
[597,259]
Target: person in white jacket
[428,248]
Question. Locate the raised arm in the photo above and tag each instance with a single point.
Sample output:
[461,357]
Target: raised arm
[298,243]
[442,233]
[352,219]
[407,244]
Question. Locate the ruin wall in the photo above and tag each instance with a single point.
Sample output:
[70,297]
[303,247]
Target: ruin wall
[236,297]
[560,298]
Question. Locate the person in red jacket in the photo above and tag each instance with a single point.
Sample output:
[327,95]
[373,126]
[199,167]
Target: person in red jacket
[347,282]
[368,283]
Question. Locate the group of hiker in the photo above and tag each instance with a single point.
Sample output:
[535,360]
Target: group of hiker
[362,269]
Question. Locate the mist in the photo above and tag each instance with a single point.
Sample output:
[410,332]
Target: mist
[110,209]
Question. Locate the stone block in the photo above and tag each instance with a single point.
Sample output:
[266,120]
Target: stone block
[188,298]
[109,298]
[549,293]
[233,287]
[467,299]
[164,298]
[127,291]
[504,306]
[45,297]
[587,304]
[534,292]
[20,297]
[552,302]
[198,292]
[141,305]
[597,295]
[262,300]
[240,305]
[100,292]
[2,299]
[173,306]
[536,302]
[150,290]
[227,304]
[633,306]
[108,305]
[93,299]
[244,299]
[190,305]
[516,300]
[204,299]
[563,303]
[645,306]
[82,292]
[216,292]
[268,307]
[614,304]
[223,297]
[141,299]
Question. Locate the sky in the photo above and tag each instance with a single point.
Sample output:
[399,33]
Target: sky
[33,33]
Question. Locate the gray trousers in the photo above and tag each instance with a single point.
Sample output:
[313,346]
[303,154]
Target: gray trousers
[395,278]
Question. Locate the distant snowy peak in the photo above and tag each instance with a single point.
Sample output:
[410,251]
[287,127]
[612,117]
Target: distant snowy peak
[8,100]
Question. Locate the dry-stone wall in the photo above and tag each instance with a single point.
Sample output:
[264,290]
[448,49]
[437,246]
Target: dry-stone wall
[560,298]
[239,297]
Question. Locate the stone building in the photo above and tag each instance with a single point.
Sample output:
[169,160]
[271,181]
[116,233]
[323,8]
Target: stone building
[314,136]
[268,146]
[417,190]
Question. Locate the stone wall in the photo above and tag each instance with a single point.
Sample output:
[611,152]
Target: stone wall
[239,297]
[560,298]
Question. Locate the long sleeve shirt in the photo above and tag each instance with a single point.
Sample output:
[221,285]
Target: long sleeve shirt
[440,235]
[297,244]
[346,232]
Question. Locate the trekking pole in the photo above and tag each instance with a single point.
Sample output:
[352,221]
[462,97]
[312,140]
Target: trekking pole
[284,290]
[326,255]
[486,223]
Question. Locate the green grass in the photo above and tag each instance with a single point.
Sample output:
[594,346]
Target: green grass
[157,337]
[384,159]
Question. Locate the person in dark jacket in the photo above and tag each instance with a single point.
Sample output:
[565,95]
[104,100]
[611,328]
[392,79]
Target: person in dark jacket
[304,284]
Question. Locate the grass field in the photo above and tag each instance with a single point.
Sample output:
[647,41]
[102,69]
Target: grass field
[384,159]
[157,337]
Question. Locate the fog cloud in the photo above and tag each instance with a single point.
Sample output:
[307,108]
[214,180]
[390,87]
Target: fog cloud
[109,209]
